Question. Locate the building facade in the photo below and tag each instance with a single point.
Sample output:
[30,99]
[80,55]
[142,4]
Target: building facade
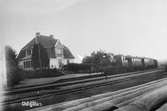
[58,54]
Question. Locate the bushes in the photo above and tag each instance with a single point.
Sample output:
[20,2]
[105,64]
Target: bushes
[12,70]
[91,68]
[78,68]
[13,76]
[114,70]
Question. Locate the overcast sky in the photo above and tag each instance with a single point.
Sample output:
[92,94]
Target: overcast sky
[133,27]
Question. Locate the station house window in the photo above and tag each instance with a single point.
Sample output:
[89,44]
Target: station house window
[27,64]
[29,52]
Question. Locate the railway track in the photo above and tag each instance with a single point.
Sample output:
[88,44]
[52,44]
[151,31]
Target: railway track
[74,86]
[67,82]
[107,101]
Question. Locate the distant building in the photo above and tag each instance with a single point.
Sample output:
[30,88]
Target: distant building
[58,53]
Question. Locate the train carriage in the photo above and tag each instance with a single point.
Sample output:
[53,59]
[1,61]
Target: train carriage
[150,63]
[120,61]
[134,63]
[129,60]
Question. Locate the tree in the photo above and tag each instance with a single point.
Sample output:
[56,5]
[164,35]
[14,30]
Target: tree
[13,75]
[40,58]
[99,58]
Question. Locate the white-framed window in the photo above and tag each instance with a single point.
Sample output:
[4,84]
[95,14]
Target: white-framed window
[27,64]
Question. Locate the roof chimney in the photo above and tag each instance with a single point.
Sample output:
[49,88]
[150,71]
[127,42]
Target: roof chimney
[36,38]
[51,35]
[37,34]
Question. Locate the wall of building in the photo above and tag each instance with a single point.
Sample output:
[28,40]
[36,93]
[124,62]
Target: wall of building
[53,63]
[21,64]
[67,61]
[59,62]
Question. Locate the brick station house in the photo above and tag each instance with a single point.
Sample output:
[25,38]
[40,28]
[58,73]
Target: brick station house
[58,54]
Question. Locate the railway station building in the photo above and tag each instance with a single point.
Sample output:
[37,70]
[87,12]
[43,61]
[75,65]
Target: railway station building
[58,54]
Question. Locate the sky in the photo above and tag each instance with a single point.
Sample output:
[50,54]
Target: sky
[129,27]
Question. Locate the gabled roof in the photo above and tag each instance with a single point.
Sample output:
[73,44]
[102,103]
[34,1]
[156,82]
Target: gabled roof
[47,42]
[67,53]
